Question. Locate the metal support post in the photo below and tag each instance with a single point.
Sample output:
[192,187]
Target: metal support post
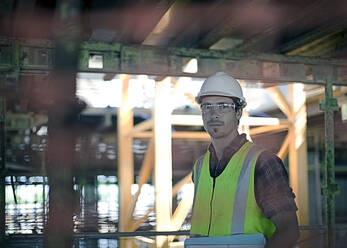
[2,168]
[329,188]
[62,114]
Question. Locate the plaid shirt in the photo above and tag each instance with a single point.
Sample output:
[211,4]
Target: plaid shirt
[271,184]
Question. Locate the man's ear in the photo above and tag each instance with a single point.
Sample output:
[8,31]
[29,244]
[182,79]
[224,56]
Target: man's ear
[239,113]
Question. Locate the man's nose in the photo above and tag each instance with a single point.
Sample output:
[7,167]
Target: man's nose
[215,113]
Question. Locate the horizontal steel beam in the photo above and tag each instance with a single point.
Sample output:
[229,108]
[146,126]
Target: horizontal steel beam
[35,57]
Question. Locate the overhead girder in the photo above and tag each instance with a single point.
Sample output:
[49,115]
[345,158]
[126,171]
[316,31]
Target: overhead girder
[35,57]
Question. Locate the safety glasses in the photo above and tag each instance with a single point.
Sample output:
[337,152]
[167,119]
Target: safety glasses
[221,107]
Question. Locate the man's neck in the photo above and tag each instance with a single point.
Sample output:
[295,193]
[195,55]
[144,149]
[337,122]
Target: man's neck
[220,143]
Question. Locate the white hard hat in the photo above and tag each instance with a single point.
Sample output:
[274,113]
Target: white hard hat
[221,84]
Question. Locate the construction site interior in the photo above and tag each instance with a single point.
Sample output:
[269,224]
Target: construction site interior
[99,127]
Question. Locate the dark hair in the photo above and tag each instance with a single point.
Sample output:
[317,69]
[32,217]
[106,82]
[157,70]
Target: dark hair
[238,102]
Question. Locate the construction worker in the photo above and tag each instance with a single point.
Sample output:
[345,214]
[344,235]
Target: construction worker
[239,187]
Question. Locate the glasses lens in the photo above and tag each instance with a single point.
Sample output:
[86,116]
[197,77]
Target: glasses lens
[220,107]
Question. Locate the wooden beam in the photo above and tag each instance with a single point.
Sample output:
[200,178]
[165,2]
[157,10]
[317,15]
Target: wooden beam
[186,120]
[150,243]
[262,121]
[125,158]
[298,172]
[196,120]
[178,186]
[135,224]
[162,159]
[282,153]
[145,171]
[177,135]
[301,44]
[182,211]
[205,136]
[191,135]
[310,47]
[192,99]
[265,129]
[143,135]
[159,34]
[280,100]
[143,126]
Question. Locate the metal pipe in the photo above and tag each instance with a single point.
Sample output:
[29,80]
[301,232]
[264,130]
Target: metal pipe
[329,105]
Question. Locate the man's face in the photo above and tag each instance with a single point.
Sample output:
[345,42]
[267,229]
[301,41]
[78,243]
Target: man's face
[219,116]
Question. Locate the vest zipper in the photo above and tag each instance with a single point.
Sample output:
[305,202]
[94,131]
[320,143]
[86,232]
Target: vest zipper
[213,186]
[209,225]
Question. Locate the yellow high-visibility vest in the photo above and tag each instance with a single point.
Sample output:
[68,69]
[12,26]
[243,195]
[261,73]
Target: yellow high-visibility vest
[226,205]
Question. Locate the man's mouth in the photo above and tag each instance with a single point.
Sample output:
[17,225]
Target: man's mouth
[215,123]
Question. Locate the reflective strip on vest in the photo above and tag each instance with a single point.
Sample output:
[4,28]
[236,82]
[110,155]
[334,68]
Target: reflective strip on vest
[197,167]
[242,192]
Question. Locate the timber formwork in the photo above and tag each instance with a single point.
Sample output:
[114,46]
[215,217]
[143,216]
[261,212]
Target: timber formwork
[36,57]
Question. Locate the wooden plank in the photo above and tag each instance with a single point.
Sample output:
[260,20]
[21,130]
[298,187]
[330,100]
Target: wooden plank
[148,242]
[196,120]
[159,34]
[265,129]
[162,159]
[125,158]
[182,211]
[134,224]
[145,171]
[205,136]
[280,100]
[178,186]
[191,135]
[186,120]
[298,172]
[262,121]
[177,135]
[282,153]
[143,126]
[191,98]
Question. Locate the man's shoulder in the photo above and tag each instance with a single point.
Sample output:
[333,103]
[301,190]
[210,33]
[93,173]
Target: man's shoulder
[267,155]
[269,161]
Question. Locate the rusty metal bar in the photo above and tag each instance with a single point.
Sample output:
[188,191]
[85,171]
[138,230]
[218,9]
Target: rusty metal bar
[329,188]
[163,61]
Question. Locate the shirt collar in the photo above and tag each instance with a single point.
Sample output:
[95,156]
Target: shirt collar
[234,145]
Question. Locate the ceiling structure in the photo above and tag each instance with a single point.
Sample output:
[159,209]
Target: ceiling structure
[306,27]
[290,27]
